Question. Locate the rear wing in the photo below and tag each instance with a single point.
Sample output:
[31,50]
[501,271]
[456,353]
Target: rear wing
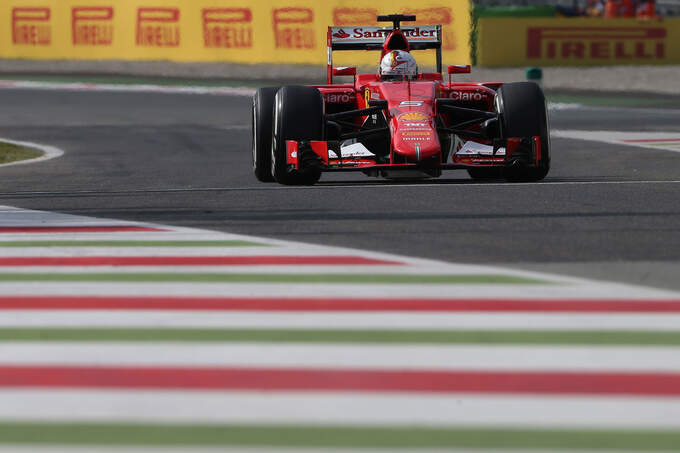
[420,37]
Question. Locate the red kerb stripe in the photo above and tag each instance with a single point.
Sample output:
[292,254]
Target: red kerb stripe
[259,379]
[191,261]
[339,305]
[76,229]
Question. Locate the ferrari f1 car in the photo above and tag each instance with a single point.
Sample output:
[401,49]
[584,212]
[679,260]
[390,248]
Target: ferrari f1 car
[408,127]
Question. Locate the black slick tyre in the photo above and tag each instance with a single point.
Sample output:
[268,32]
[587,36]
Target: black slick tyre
[523,114]
[262,126]
[298,115]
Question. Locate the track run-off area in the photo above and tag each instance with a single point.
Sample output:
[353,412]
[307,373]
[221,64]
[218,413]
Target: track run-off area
[154,297]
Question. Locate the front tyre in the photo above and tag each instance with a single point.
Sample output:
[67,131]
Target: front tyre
[298,115]
[262,125]
[524,114]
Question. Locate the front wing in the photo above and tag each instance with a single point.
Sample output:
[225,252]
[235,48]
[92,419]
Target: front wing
[527,150]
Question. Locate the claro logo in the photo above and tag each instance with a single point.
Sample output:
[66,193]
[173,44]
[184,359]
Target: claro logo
[596,43]
[467,96]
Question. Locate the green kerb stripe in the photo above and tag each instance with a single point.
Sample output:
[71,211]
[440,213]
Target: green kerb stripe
[342,336]
[130,244]
[144,277]
[338,437]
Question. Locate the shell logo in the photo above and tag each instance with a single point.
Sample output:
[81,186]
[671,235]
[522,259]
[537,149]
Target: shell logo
[413,116]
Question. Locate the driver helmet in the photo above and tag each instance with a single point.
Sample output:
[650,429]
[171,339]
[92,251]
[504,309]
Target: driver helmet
[397,65]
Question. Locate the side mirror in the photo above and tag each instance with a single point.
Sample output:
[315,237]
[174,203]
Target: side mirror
[460,69]
[345,71]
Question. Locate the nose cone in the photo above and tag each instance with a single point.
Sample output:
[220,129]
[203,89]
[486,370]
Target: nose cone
[414,137]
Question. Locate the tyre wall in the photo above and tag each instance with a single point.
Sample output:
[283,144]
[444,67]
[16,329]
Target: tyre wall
[577,42]
[237,31]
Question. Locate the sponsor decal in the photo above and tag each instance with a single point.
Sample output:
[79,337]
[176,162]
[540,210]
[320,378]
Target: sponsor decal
[467,96]
[341,34]
[158,27]
[377,34]
[293,28]
[413,116]
[410,103]
[417,125]
[227,28]
[339,98]
[597,43]
[31,26]
[419,139]
[416,134]
[92,25]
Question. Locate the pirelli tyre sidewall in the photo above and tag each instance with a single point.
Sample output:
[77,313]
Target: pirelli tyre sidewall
[298,115]
[524,114]
[262,123]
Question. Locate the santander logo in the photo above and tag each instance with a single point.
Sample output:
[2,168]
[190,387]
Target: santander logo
[341,34]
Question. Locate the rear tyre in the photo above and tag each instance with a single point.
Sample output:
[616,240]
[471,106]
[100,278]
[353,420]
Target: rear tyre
[262,125]
[298,115]
[523,114]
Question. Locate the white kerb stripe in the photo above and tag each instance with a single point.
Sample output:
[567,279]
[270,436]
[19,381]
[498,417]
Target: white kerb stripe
[371,356]
[337,320]
[322,408]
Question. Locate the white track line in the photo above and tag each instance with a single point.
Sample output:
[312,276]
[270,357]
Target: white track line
[120,88]
[50,152]
[336,320]
[320,408]
[398,356]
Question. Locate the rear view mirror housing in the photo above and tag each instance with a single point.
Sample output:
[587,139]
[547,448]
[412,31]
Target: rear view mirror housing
[460,69]
[345,71]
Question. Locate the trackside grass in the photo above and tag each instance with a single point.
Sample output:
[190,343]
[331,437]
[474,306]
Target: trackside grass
[12,153]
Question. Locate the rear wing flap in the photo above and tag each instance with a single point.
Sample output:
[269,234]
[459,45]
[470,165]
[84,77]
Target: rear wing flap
[420,37]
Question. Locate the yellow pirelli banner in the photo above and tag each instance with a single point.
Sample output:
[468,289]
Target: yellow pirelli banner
[240,31]
[577,42]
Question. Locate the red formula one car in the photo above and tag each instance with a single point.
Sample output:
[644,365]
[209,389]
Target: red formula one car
[396,123]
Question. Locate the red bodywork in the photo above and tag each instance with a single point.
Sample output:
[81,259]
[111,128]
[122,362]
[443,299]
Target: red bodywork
[415,125]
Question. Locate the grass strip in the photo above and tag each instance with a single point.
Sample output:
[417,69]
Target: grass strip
[543,337]
[130,244]
[153,277]
[336,436]
[13,153]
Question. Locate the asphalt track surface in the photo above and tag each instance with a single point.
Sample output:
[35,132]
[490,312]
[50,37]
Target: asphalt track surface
[605,211]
